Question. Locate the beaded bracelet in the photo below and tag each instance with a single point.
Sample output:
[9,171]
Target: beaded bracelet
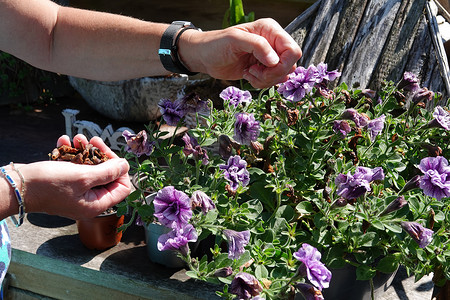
[19,195]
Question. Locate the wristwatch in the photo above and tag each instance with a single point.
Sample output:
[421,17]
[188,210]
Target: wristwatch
[168,48]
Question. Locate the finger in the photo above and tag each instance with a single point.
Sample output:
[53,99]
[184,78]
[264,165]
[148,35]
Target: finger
[100,144]
[63,140]
[259,47]
[108,172]
[79,139]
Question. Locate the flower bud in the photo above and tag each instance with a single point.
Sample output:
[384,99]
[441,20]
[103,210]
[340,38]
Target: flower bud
[341,202]
[224,272]
[411,184]
[395,205]
[420,234]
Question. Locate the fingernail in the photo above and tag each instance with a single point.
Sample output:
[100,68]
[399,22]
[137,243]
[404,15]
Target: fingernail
[273,58]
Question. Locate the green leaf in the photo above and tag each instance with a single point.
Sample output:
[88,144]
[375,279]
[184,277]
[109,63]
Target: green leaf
[261,272]
[389,264]
[305,207]
[364,272]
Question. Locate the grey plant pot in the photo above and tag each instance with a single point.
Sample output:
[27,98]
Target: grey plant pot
[134,100]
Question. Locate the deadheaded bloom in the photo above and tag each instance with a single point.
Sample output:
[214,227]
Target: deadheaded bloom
[178,239]
[435,181]
[300,83]
[341,127]
[395,205]
[375,126]
[235,172]
[246,128]
[245,286]
[309,292]
[200,199]
[235,96]
[441,118]
[172,112]
[138,143]
[312,267]
[236,242]
[423,236]
[172,207]
[192,147]
[353,186]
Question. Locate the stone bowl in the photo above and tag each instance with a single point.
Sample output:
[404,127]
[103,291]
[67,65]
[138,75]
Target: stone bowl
[134,100]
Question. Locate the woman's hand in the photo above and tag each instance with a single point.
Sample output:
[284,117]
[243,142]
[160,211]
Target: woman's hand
[72,190]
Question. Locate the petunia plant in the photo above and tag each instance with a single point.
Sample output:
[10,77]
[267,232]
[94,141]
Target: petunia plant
[292,182]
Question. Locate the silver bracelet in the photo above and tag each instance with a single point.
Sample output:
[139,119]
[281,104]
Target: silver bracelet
[19,194]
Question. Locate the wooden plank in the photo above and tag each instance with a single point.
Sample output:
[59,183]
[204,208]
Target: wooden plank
[392,62]
[61,280]
[368,44]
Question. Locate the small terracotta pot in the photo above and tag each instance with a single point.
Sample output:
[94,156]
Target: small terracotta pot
[101,232]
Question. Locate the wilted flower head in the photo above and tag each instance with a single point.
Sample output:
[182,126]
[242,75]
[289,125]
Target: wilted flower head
[353,115]
[200,199]
[246,129]
[410,82]
[309,292]
[422,95]
[192,103]
[178,239]
[235,172]
[300,83]
[375,126]
[172,112]
[235,96]
[224,272]
[172,207]
[138,143]
[192,147]
[245,286]
[236,242]
[312,267]
[369,93]
[435,181]
[341,127]
[441,118]
[423,236]
[395,205]
[353,186]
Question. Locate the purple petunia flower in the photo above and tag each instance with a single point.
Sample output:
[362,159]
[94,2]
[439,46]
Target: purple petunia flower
[435,181]
[138,143]
[192,147]
[178,239]
[410,82]
[235,172]
[172,112]
[235,96]
[341,127]
[300,83]
[423,236]
[245,286]
[200,199]
[441,118]
[353,186]
[375,126]
[312,267]
[246,129]
[309,292]
[172,207]
[236,242]
[322,73]
[353,115]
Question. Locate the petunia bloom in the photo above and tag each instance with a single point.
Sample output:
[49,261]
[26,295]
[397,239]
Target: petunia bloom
[322,73]
[375,126]
[178,239]
[341,127]
[245,286]
[138,143]
[246,129]
[410,82]
[311,267]
[172,112]
[435,181]
[300,83]
[235,96]
[236,242]
[441,118]
[353,186]
[235,172]
[309,292]
[200,199]
[172,207]
[423,236]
